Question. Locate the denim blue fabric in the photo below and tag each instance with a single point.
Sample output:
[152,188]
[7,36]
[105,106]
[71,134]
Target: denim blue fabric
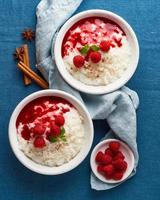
[16,182]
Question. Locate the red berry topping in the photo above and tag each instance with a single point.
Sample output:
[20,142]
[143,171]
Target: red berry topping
[119,155]
[106,159]
[64,110]
[59,120]
[100,168]
[108,176]
[111,163]
[117,176]
[39,142]
[114,146]
[108,152]
[38,111]
[105,45]
[88,55]
[118,41]
[55,130]
[120,164]
[108,169]
[99,156]
[25,133]
[47,133]
[39,129]
[95,57]
[78,61]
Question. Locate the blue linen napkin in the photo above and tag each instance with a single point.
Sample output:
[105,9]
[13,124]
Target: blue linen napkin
[118,108]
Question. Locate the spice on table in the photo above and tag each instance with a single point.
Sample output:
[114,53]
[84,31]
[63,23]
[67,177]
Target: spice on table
[28,34]
[21,54]
[18,54]
[26,61]
[31,74]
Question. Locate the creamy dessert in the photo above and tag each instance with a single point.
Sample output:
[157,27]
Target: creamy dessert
[96,51]
[50,131]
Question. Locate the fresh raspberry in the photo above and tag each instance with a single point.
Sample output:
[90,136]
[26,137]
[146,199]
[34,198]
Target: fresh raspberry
[99,156]
[95,57]
[55,130]
[120,164]
[108,176]
[118,156]
[105,45]
[78,61]
[52,122]
[117,176]
[106,159]
[25,133]
[39,129]
[59,120]
[109,152]
[100,168]
[88,55]
[108,169]
[114,146]
[39,142]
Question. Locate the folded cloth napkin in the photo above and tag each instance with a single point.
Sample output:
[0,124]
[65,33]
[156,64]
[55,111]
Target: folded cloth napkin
[118,108]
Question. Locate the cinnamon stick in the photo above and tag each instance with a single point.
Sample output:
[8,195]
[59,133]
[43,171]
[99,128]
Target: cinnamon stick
[32,75]
[26,61]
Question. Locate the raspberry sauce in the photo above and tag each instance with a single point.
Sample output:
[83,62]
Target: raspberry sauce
[92,30]
[40,107]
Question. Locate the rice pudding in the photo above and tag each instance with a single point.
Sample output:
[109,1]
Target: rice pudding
[50,131]
[96,51]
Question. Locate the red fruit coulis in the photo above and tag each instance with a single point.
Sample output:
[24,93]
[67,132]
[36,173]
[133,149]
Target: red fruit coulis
[42,110]
[92,30]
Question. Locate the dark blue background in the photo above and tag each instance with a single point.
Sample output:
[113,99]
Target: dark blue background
[17,182]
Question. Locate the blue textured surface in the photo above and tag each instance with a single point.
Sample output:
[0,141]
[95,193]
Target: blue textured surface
[16,182]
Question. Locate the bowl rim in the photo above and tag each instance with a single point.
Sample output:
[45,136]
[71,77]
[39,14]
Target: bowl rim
[92,160]
[94,90]
[24,159]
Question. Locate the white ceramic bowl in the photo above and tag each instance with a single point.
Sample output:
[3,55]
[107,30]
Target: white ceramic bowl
[96,89]
[129,158]
[41,168]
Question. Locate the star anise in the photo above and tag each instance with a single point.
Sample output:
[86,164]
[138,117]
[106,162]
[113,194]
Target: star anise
[18,54]
[28,34]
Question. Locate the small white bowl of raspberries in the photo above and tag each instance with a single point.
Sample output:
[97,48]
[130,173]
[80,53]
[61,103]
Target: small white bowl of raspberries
[112,161]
